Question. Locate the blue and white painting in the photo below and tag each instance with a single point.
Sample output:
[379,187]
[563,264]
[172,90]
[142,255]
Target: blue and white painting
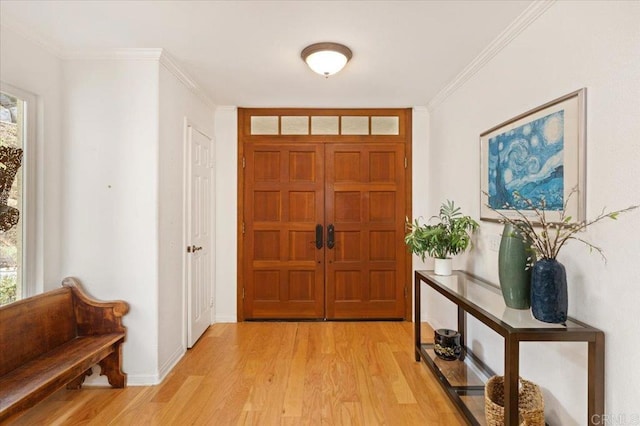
[528,159]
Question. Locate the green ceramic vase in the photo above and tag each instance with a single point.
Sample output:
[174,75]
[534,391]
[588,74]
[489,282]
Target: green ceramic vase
[515,280]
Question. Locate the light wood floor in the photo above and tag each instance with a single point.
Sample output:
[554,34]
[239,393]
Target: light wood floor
[274,373]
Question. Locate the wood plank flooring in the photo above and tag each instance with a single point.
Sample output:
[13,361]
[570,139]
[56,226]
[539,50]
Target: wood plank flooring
[273,373]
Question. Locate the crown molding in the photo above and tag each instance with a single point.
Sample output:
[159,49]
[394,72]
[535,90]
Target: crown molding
[117,54]
[526,18]
[143,54]
[174,68]
[7,22]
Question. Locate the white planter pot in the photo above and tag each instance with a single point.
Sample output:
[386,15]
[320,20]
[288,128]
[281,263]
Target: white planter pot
[442,266]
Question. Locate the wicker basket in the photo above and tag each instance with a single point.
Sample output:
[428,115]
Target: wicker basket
[530,403]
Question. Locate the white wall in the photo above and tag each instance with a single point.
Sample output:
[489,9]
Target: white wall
[572,45]
[110,156]
[28,66]
[226,136]
[421,181]
[110,198]
[177,102]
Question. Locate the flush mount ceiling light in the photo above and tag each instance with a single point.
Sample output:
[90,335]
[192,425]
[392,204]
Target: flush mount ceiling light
[326,58]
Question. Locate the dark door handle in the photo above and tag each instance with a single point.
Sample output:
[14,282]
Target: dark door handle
[331,242]
[319,236]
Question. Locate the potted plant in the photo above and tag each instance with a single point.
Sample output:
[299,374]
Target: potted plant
[449,237]
[549,300]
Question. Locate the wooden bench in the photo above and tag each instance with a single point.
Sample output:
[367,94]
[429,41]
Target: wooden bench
[53,339]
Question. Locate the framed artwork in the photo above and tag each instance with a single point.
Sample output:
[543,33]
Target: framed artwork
[539,155]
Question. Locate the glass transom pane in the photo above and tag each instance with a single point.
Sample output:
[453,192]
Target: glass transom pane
[323,125]
[385,125]
[264,125]
[294,125]
[355,125]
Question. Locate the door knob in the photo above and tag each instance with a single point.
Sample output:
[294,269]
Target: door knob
[319,237]
[193,249]
[331,242]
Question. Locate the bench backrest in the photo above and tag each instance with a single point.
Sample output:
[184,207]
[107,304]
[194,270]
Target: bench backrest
[35,325]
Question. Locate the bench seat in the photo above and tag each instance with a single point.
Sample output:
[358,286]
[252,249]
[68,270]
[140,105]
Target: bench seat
[54,369]
[52,340]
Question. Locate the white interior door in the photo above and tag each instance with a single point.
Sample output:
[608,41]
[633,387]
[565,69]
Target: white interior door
[199,234]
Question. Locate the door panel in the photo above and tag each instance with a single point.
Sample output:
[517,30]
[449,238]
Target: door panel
[365,203]
[284,202]
[290,190]
[199,260]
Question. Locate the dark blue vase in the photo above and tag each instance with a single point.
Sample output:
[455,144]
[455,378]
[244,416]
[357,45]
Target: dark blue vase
[549,300]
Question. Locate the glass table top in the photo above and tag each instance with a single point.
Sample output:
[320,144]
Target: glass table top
[488,298]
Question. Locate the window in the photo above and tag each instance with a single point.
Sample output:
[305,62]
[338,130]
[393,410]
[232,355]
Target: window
[15,122]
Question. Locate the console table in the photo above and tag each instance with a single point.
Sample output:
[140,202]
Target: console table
[463,379]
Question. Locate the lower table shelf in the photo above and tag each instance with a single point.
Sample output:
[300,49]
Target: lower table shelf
[462,379]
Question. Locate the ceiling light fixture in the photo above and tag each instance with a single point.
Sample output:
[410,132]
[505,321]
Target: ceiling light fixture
[326,58]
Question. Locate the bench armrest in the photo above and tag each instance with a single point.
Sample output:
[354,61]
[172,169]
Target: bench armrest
[93,316]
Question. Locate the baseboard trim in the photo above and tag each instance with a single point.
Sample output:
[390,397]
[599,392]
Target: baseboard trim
[142,379]
[226,318]
[170,364]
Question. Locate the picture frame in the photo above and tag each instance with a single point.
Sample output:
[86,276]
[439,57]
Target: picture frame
[541,154]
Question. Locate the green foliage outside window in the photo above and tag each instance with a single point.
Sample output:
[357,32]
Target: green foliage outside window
[10,135]
[8,289]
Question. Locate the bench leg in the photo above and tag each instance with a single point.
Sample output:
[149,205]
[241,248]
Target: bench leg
[112,368]
[78,381]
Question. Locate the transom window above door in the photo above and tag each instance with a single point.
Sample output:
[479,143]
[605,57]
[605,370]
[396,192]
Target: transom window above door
[345,123]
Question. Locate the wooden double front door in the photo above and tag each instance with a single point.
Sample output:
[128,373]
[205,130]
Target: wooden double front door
[323,230]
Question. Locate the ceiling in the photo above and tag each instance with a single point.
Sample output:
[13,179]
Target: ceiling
[247,53]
